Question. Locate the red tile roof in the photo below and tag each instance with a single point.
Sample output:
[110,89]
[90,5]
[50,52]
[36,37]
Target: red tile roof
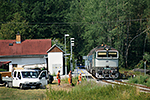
[27,47]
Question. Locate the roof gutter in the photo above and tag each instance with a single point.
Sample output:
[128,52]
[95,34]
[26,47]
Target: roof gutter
[22,56]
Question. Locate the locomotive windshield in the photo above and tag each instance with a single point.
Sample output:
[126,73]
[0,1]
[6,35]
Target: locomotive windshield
[106,54]
[112,54]
[101,54]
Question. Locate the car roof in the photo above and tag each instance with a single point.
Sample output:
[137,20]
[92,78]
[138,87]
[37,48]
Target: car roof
[26,70]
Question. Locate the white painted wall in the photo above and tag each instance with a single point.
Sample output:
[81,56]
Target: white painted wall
[55,62]
[24,61]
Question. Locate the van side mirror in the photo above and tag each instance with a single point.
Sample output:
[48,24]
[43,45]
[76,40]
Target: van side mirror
[19,77]
[46,77]
[40,77]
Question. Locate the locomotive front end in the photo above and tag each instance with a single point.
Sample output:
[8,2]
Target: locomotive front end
[103,62]
[106,63]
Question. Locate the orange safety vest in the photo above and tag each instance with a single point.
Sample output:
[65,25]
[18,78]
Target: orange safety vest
[69,80]
[58,76]
[79,77]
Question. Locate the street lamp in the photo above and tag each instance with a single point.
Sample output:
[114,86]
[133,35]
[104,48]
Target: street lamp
[71,44]
[65,55]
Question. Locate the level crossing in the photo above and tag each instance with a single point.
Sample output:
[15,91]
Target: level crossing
[77,71]
[83,72]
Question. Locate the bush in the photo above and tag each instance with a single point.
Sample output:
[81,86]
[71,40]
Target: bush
[140,80]
[148,82]
[140,65]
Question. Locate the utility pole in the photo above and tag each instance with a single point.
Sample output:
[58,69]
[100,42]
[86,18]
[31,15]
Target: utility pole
[65,55]
[144,67]
[71,44]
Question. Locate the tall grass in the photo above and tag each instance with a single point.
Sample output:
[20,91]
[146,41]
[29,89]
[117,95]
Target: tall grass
[141,79]
[93,91]
[17,94]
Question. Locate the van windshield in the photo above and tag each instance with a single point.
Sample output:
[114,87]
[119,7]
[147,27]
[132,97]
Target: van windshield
[30,74]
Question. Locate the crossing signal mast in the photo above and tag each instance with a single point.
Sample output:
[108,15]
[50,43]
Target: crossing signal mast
[71,45]
[66,35]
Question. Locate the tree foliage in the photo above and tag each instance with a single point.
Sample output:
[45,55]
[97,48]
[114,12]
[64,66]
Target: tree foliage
[10,29]
[91,23]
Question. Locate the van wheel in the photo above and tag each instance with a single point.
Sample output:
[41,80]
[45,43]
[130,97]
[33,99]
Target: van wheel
[21,86]
[7,85]
[50,81]
[41,85]
[10,84]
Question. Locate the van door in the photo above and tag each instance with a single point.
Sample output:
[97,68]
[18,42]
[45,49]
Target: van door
[43,77]
[16,79]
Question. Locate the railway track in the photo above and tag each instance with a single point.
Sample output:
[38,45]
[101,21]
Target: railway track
[142,88]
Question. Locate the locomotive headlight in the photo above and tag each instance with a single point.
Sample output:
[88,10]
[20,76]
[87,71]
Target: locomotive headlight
[107,49]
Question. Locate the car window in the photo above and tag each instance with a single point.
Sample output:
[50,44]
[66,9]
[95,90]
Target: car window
[15,74]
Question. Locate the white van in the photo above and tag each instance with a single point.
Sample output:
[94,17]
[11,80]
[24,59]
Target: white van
[26,79]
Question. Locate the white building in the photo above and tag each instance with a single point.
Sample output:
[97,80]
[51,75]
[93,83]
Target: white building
[56,60]
[28,53]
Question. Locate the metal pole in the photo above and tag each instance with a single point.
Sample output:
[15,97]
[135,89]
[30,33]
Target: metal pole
[65,58]
[71,44]
[65,55]
[65,44]
[76,67]
[145,68]
[71,57]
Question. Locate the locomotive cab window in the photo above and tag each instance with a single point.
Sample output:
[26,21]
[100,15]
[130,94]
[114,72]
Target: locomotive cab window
[101,54]
[112,54]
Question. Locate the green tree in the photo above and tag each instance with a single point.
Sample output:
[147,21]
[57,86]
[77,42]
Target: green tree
[10,29]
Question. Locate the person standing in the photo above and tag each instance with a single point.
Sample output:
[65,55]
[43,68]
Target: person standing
[78,82]
[80,78]
[58,77]
[70,78]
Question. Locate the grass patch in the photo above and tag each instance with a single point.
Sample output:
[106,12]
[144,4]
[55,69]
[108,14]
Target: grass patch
[93,91]
[1,70]
[141,79]
[122,70]
[87,90]
[17,94]
[74,80]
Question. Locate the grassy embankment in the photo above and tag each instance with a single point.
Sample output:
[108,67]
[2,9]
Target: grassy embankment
[17,94]
[87,90]
[139,79]
[93,91]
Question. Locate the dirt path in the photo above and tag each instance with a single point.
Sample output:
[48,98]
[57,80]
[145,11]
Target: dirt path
[63,86]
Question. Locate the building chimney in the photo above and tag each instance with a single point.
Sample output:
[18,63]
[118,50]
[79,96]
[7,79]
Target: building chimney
[18,38]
